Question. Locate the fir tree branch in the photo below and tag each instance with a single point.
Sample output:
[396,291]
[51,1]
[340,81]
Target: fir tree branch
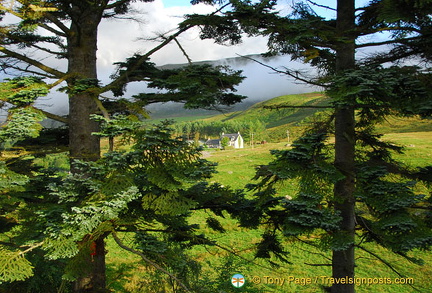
[32,62]
[53,116]
[47,15]
[31,248]
[48,114]
[395,41]
[155,265]
[58,23]
[144,57]
[116,4]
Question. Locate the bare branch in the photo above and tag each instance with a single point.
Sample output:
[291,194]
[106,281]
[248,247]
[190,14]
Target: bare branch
[58,23]
[243,258]
[26,70]
[322,6]
[313,245]
[390,29]
[387,264]
[31,248]
[294,74]
[183,51]
[382,260]
[48,50]
[33,62]
[50,29]
[318,264]
[102,108]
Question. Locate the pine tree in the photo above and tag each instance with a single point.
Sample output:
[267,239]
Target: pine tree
[363,92]
[68,30]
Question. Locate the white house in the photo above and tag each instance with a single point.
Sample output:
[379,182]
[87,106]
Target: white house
[235,141]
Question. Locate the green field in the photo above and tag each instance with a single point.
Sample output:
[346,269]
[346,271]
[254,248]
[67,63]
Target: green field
[308,269]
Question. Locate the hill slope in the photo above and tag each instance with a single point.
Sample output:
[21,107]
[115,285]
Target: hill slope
[280,110]
[280,114]
[290,114]
[294,110]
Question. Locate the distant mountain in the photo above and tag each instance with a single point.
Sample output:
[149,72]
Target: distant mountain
[173,110]
[261,84]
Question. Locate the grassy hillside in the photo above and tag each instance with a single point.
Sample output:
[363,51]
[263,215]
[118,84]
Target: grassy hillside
[279,114]
[277,117]
[294,117]
[294,112]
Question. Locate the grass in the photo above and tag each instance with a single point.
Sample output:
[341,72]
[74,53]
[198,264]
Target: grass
[307,271]
[394,124]
[128,273]
[417,147]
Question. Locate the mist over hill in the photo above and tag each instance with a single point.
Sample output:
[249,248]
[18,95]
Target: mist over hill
[261,84]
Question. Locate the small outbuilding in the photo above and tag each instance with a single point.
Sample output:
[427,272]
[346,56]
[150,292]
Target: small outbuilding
[213,143]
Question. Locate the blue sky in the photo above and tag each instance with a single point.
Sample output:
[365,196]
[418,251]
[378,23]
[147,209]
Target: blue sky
[170,3]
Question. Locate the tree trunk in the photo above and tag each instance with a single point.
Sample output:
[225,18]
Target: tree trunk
[82,47]
[343,260]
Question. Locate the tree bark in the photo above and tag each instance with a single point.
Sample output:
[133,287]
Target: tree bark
[343,262]
[82,47]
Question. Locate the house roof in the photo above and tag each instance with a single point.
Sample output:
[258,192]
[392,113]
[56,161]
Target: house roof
[213,142]
[231,136]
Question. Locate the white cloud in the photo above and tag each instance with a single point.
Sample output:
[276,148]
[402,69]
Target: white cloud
[118,38]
